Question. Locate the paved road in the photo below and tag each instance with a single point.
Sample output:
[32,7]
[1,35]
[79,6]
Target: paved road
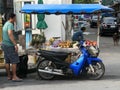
[111,81]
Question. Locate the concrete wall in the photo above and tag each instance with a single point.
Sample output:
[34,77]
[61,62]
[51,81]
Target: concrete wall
[54,22]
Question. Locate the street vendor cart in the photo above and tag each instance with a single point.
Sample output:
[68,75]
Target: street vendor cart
[65,46]
[52,63]
[64,9]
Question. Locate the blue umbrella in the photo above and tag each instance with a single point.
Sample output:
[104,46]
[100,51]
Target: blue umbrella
[64,8]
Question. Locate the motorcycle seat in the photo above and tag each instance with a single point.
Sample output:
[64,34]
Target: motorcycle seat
[60,55]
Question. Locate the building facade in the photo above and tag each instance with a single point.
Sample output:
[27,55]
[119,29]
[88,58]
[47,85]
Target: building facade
[6,6]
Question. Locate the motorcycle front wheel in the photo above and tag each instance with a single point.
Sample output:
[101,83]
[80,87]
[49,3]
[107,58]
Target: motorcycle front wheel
[44,65]
[99,70]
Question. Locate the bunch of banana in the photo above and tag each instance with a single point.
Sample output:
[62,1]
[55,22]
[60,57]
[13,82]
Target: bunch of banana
[37,40]
[51,40]
[27,17]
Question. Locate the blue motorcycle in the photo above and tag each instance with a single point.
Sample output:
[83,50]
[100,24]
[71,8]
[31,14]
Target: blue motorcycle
[52,63]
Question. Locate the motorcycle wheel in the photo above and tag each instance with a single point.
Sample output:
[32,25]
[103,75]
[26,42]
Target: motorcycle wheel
[99,70]
[45,64]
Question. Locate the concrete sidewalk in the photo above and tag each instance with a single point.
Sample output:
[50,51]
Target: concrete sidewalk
[31,69]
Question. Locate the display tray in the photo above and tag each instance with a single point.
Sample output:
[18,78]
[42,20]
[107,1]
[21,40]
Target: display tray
[65,49]
[33,51]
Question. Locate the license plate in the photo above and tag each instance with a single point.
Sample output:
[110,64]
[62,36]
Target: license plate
[112,26]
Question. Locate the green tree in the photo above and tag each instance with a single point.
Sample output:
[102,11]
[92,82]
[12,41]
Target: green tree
[106,2]
[83,1]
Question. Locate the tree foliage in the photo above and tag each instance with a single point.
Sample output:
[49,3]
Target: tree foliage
[106,2]
[83,1]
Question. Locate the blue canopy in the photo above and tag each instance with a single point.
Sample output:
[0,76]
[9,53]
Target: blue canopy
[64,8]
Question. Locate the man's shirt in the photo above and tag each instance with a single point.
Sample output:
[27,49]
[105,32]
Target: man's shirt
[6,40]
[78,36]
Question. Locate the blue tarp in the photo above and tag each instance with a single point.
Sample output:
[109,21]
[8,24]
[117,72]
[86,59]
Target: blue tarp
[64,8]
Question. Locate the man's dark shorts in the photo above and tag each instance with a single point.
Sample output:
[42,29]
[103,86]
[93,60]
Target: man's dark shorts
[10,55]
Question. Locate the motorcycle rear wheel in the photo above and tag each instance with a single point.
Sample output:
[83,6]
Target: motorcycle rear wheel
[42,65]
[99,70]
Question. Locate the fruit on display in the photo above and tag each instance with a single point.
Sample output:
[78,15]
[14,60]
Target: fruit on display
[91,43]
[56,43]
[65,44]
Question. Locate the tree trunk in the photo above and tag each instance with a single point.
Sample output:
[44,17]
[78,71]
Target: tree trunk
[68,28]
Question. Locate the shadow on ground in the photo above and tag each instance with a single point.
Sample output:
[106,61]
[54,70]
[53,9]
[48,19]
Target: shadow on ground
[33,80]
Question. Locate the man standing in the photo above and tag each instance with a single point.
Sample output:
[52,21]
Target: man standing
[78,36]
[10,48]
